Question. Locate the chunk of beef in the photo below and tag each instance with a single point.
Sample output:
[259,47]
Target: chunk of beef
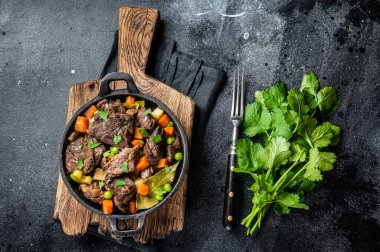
[127,155]
[131,112]
[170,152]
[111,106]
[152,150]
[121,194]
[92,192]
[146,173]
[176,144]
[146,122]
[79,150]
[119,124]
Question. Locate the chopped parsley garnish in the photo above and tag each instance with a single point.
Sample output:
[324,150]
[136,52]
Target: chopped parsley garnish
[117,139]
[107,153]
[121,182]
[80,164]
[157,139]
[80,146]
[101,184]
[143,132]
[124,167]
[167,169]
[103,115]
[147,112]
[93,145]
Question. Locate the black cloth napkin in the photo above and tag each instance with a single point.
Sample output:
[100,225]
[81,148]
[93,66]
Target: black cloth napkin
[183,72]
[188,75]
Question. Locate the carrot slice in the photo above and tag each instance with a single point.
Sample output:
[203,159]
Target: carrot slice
[107,206]
[137,134]
[132,207]
[130,101]
[162,163]
[137,142]
[169,130]
[164,120]
[142,164]
[143,189]
[81,124]
[90,111]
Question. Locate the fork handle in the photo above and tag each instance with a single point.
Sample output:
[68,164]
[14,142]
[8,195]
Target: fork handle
[230,196]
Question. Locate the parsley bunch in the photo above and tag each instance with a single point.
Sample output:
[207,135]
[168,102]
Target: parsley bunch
[292,148]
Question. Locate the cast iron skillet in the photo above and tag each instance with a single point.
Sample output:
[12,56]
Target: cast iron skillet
[106,93]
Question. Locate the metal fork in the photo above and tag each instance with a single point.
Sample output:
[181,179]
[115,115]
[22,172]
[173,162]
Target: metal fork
[237,112]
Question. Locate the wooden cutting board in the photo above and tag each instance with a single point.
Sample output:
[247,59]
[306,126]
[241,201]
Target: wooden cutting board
[136,28]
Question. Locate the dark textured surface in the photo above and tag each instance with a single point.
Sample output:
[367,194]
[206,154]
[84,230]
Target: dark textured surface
[41,42]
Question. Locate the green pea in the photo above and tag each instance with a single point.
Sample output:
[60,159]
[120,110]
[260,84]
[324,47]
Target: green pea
[107,195]
[170,124]
[178,156]
[169,140]
[114,149]
[168,187]
[159,197]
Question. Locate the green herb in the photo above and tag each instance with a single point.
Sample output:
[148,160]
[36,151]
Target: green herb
[157,139]
[121,182]
[101,184]
[103,115]
[117,139]
[80,146]
[124,167]
[107,153]
[167,169]
[93,145]
[147,112]
[143,132]
[80,164]
[293,155]
[170,124]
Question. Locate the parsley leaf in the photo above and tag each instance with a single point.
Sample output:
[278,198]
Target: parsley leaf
[279,125]
[124,167]
[157,139]
[107,153]
[321,136]
[272,97]
[117,139]
[143,132]
[167,169]
[147,112]
[327,100]
[256,119]
[80,164]
[275,153]
[310,84]
[297,102]
[101,184]
[121,182]
[103,115]
[286,200]
[93,145]
[247,155]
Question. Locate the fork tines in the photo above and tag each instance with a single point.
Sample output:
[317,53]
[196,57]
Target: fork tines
[237,109]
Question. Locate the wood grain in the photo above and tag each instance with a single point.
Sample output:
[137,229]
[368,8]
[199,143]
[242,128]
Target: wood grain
[136,28]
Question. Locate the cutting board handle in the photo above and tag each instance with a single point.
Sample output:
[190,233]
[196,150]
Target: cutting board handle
[136,29]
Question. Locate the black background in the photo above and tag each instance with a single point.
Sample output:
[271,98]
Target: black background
[42,42]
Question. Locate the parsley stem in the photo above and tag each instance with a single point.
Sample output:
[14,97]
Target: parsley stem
[295,176]
[282,178]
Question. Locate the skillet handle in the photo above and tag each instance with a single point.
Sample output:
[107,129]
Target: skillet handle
[104,85]
[127,233]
